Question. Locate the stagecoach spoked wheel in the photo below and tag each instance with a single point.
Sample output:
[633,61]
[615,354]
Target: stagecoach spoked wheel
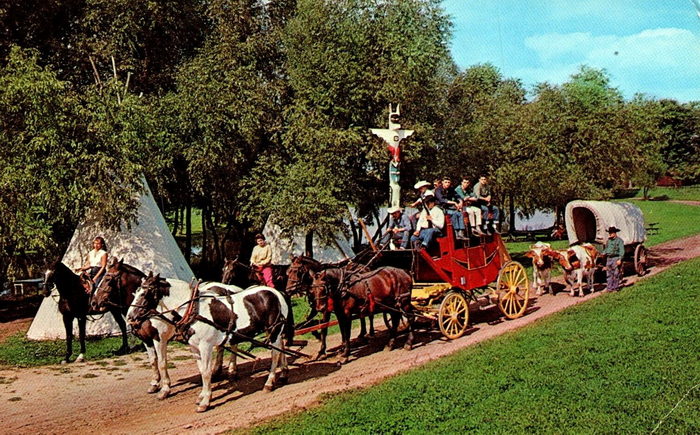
[453,317]
[640,260]
[513,290]
[403,323]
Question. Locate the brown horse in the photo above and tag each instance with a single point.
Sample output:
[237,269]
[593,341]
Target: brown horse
[116,293]
[74,303]
[386,289]
[236,273]
[299,280]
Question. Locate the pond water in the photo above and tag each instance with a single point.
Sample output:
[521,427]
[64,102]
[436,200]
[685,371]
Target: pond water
[538,221]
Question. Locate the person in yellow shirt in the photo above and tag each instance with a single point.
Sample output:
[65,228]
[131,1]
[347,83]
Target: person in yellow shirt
[261,260]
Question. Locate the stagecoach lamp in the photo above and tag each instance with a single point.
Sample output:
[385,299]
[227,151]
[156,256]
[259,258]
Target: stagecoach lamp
[462,280]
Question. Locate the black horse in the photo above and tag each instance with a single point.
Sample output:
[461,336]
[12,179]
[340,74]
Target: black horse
[74,303]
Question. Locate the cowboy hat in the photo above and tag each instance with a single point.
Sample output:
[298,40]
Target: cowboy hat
[613,229]
[393,210]
[420,184]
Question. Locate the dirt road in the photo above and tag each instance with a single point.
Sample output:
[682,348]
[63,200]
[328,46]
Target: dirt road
[110,396]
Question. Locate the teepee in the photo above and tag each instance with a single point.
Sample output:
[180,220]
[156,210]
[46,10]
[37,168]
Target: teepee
[148,246]
[284,247]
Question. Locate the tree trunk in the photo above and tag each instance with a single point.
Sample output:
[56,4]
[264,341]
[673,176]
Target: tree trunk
[188,231]
[176,222]
[216,258]
[205,245]
[511,211]
[309,244]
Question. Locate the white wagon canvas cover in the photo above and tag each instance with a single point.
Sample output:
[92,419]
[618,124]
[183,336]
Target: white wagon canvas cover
[588,221]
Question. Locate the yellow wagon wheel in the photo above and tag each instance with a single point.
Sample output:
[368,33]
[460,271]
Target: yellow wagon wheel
[513,290]
[453,316]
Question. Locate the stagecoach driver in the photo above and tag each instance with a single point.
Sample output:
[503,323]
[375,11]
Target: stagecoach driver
[261,260]
[430,223]
[614,250]
[399,228]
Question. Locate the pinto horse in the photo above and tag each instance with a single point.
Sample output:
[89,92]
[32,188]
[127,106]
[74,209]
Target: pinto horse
[74,303]
[299,280]
[386,289]
[233,318]
[235,272]
[116,292]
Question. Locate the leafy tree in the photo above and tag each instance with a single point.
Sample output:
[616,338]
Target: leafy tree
[345,61]
[65,155]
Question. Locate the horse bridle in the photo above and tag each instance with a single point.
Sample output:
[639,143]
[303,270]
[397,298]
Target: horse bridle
[296,283]
[118,287]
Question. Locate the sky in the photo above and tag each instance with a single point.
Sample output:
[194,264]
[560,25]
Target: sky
[646,46]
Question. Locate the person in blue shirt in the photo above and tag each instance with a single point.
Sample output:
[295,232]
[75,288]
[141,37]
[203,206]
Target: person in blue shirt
[399,229]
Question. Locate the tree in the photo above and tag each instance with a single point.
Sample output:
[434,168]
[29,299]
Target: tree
[65,155]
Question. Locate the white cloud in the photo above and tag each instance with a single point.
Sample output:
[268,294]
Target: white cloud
[659,62]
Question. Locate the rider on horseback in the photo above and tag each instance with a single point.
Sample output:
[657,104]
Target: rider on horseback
[261,260]
[95,264]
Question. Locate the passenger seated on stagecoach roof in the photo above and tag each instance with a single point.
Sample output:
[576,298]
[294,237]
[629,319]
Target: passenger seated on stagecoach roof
[465,192]
[95,262]
[430,224]
[261,260]
[489,212]
[448,200]
[422,188]
[399,228]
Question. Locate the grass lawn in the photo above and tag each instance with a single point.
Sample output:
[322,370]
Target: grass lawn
[685,193]
[617,364]
[17,351]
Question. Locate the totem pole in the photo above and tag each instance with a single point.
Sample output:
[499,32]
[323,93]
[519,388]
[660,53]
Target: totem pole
[393,136]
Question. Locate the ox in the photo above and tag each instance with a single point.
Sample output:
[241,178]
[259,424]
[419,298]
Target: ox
[541,267]
[578,262]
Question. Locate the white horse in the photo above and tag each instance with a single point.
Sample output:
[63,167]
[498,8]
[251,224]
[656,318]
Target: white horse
[156,331]
[221,317]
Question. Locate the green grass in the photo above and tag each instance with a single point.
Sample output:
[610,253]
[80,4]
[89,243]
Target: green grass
[674,220]
[685,193]
[18,351]
[617,364]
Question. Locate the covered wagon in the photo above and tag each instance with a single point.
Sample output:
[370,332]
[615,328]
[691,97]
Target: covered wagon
[588,221]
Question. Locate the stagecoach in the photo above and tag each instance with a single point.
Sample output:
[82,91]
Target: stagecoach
[588,221]
[456,276]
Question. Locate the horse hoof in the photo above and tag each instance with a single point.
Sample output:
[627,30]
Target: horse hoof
[267,388]
[408,346]
[320,357]
[163,395]
[343,360]
[202,408]
[64,361]
[80,358]
[153,389]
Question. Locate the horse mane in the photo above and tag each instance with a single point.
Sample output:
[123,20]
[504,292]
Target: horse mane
[132,270]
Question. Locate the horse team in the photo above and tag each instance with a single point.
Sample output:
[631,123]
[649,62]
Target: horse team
[212,317]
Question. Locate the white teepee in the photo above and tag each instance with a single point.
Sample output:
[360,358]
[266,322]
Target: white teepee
[283,247]
[148,246]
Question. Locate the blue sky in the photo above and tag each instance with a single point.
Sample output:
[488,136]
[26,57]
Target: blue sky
[646,46]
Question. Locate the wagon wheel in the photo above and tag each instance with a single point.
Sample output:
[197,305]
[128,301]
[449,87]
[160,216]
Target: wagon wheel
[640,260]
[453,315]
[513,290]
[403,323]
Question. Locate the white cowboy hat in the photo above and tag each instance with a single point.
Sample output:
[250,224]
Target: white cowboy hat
[393,210]
[420,184]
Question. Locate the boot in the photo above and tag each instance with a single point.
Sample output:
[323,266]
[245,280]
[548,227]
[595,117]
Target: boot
[461,235]
[477,231]
[494,226]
